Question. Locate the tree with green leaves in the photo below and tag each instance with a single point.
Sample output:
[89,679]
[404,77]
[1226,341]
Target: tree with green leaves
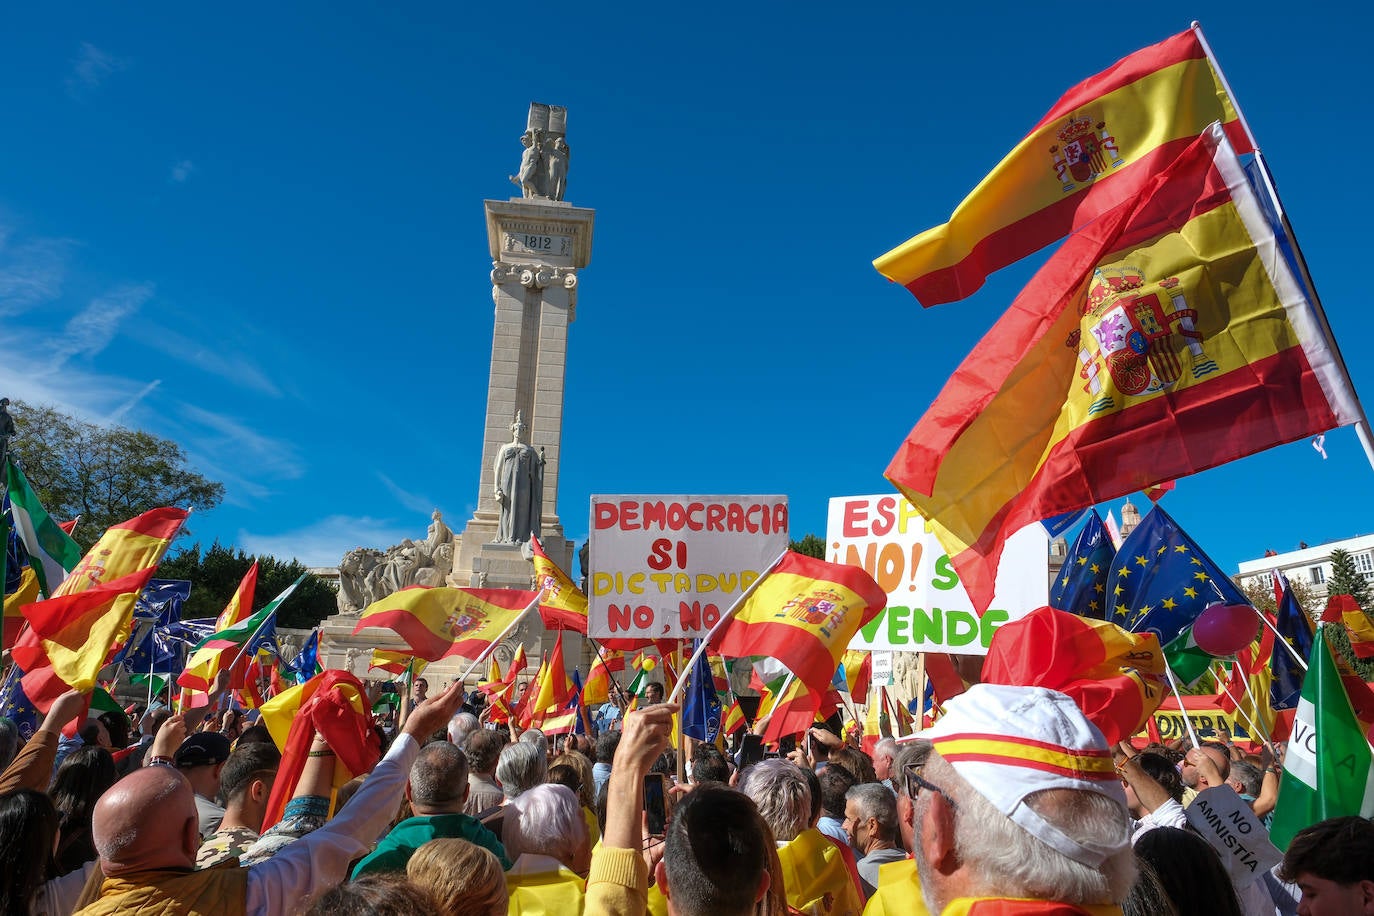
[811,545]
[1345,579]
[105,474]
[215,574]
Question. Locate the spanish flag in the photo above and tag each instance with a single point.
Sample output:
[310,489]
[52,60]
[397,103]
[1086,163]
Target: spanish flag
[1168,337]
[1346,611]
[551,688]
[803,613]
[1115,677]
[440,622]
[1100,145]
[562,605]
[397,663]
[597,690]
[334,704]
[70,636]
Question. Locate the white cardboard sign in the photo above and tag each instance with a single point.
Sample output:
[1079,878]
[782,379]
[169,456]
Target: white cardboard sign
[1226,821]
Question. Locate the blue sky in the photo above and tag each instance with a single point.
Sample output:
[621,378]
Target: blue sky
[260,233]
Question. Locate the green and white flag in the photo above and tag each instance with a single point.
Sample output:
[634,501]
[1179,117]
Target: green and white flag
[1186,659]
[52,552]
[1328,770]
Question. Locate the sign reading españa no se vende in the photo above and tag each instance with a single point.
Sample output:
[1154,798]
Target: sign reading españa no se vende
[927,609]
[669,566]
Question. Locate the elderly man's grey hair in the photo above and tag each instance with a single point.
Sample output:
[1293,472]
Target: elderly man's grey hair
[460,726]
[886,747]
[546,821]
[1245,778]
[910,753]
[1006,861]
[536,737]
[783,796]
[520,768]
[873,799]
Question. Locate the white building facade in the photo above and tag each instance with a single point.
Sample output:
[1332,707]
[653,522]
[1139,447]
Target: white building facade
[1309,565]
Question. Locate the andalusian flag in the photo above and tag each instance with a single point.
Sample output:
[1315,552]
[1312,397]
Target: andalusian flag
[1167,337]
[1101,144]
[70,636]
[440,622]
[236,645]
[1329,768]
[1187,660]
[803,613]
[52,552]
[562,606]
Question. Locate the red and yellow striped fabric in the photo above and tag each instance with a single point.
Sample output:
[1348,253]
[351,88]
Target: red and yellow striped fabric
[1164,339]
[1346,611]
[804,613]
[562,604]
[1076,763]
[240,606]
[439,622]
[1114,676]
[1099,145]
[397,663]
[70,636]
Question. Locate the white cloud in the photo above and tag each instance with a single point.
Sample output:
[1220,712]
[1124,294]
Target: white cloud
[31,272]
[182,171]
[324,542]
[90,68]
[415,502]
[91,330]
[117,415]
[221,434]
[216,360]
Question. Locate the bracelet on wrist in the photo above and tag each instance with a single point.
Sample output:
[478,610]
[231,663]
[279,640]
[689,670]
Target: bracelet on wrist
[323,753]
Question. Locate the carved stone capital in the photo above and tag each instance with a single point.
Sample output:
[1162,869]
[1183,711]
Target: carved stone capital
[533,276]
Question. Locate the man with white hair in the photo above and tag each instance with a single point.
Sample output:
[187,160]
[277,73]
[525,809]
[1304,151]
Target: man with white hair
[546,835]
[460,726]
[1019,809]
[883,753]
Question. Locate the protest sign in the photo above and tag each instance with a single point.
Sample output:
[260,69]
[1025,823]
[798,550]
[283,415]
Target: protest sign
[669,566]
[1208,717]
[882,670]
[927,608]
[1226,822]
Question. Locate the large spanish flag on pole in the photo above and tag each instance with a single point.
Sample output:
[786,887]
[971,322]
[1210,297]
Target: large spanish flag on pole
[1099,145]
[70,636]
[1166,338]
[439,622]
[803,613]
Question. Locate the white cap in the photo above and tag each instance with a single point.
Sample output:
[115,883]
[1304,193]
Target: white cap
[1008,742]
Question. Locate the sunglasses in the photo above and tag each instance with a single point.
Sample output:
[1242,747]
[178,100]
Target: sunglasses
[915,782]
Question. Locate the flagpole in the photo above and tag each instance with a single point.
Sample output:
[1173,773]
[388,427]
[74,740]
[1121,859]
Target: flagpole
[1254,725]
[921,692]
[1183,710]
[1279,638]
[1362,425]
[725,618]
[620,691]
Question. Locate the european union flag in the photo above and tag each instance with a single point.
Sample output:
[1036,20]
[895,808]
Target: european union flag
[16,706]
[1161,580]
[701,708]
[1296,628]
[306,664]
[1081,587]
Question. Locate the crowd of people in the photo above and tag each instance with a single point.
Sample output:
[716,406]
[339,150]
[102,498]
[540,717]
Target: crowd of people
[1013,804]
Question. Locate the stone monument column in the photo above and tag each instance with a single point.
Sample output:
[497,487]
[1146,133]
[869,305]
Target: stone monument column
[538,243]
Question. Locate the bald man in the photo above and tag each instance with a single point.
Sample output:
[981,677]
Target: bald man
[146,834]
